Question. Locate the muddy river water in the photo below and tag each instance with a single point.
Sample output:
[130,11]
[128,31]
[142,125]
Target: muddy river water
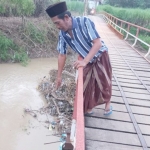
[18,90]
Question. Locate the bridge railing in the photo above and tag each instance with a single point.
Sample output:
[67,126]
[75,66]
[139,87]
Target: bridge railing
[77,130]
[118,25]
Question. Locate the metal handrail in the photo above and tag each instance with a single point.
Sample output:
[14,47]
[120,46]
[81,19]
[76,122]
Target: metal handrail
[128,23]
[110,19]
[77,130]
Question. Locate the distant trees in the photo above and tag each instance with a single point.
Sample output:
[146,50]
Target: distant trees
[129,3]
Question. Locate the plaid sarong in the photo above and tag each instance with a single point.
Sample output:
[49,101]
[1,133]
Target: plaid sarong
[97,79]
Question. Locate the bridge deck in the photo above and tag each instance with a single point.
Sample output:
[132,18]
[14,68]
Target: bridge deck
[131,84]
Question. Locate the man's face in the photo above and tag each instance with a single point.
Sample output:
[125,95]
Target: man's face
[61,24]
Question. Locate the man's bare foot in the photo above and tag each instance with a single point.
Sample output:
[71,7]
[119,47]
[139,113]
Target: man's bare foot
[108,112]
[107,106]
[89,112]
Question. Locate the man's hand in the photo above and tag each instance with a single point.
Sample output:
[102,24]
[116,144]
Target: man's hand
[80,63]
[61,64]
[58,82]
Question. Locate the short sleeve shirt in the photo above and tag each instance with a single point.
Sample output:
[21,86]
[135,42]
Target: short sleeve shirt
[84,32]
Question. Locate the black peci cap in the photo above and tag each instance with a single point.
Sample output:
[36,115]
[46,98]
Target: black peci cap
[56,9]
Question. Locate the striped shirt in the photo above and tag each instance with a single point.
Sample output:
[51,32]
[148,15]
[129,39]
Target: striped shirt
[84,32]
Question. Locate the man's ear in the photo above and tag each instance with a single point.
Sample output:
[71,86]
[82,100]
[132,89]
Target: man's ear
[66,17]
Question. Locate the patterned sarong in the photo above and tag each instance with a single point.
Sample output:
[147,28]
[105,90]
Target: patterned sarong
[97,78]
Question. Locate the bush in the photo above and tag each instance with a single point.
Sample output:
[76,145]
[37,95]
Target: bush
[35,34]
[9,51]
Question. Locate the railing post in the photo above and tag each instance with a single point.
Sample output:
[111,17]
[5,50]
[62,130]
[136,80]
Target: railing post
[127,32]
[126,36]
[147,53]
[113,20]
[116,23]
[137,32]
[121,26]
[134,42]
[128,28]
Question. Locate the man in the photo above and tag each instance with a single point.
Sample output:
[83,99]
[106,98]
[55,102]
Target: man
[80,34]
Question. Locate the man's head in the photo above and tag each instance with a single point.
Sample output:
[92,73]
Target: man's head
[60,16]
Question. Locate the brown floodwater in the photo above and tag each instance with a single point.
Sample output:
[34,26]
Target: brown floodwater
[18,90]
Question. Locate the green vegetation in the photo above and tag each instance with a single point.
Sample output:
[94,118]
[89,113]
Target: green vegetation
[133,15]
[76,6]
[146,39]
[17,7]
[10,51]
[34,7]
[129,3]
[35,34]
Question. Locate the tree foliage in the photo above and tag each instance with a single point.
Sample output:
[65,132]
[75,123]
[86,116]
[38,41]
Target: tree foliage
[130,3]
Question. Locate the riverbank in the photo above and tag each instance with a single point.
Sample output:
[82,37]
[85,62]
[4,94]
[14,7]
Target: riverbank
[25,38]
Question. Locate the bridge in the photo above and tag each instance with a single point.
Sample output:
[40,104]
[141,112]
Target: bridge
[128,127]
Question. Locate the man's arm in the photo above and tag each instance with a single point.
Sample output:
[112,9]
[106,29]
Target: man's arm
[61,64]
[95,48]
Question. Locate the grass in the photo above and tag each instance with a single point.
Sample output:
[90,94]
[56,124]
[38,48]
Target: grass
[35,34]
[9,51]
[146,39]
[17,7]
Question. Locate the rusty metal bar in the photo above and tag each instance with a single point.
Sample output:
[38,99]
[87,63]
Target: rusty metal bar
[137,32]
[128,28]
[127,34]
[141,28]
[116,21]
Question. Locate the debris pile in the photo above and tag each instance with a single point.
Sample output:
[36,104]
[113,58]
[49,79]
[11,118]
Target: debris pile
[59,102]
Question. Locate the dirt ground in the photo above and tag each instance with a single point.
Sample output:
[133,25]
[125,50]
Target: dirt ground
[37,36]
